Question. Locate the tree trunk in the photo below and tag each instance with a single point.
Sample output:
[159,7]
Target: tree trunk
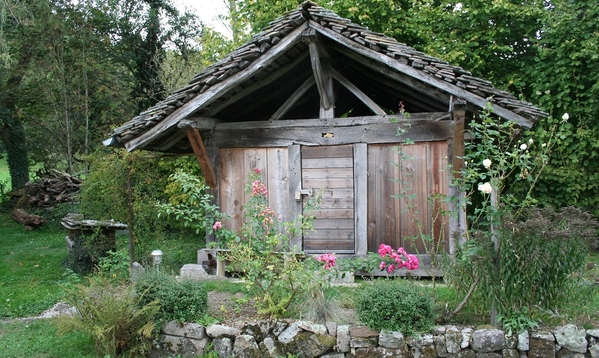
[14,138]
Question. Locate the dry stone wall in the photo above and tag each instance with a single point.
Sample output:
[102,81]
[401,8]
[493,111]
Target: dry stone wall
[305,339]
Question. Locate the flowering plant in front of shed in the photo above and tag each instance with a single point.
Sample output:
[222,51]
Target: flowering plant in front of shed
[328,259]
[393,260]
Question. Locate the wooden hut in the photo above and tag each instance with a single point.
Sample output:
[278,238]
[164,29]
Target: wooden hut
[310,101]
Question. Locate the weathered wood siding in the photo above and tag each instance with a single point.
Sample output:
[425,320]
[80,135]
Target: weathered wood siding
[236,164]
[330,169]
[393,220]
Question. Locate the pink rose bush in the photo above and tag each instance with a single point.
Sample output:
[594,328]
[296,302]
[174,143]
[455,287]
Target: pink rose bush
[396,259]
[258,188]
[217,225]
[328,260]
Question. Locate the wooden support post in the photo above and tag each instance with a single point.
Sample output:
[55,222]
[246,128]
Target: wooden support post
[459,118]
[295,180]
[361,198]
[193,134]
[322,74]
[457,223]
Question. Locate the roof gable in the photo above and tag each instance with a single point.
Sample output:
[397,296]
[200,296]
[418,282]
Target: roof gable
[272,76]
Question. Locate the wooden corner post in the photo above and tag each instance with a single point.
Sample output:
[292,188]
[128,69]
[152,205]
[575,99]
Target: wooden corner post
[459,119]
[457,223]
[193,134]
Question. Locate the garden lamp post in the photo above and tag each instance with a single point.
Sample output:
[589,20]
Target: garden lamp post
[157,258]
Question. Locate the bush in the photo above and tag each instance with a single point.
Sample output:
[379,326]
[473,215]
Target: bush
[396,306]
[537,267]
[183,301]
[111,315]
[540,254]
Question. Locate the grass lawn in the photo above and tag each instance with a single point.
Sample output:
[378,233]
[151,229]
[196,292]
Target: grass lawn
[31,269]
[4,175]
[39,339]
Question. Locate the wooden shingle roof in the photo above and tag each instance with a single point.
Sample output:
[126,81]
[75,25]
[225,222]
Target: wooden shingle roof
[242,84]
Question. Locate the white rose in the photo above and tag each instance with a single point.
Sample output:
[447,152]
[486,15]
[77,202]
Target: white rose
[485,188]
[566,116]
[530,141]
[487,163]
[523,146]
[544,145]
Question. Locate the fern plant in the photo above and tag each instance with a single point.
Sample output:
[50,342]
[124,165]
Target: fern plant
[111,316]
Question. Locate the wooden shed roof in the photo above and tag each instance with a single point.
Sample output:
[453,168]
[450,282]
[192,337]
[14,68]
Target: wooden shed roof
[250,83]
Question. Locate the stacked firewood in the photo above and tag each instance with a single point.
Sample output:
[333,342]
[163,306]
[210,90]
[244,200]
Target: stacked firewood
[52,187]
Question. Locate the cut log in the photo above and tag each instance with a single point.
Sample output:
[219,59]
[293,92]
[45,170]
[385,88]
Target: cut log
[29,221]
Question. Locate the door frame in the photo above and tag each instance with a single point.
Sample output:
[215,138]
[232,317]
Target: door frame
[360,194]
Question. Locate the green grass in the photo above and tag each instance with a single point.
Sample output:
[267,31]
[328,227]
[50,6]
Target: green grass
[4,175]
[39,339]
[31,269]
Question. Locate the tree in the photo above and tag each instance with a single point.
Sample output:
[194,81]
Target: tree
[72,69]
[563,79]
[20,37]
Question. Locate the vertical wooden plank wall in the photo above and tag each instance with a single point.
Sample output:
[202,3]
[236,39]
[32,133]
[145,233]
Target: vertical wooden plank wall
[231,186]
[384,220]
[235,166]
[414,219]
[390,220]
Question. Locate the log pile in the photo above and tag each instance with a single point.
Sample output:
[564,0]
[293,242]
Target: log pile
[52,187]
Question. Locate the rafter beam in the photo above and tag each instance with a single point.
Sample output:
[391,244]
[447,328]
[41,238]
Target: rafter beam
[170,141]
[248,111]
[258,84]
[202,156]
[201,123]
[358,93]
[285,107]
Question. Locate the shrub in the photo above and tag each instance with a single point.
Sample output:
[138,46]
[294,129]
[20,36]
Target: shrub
[539,255]
[183,301]
[536,267]
[275,279]
[111,315]
[396,306]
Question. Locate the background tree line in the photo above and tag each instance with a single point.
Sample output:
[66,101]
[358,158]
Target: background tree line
[71,70]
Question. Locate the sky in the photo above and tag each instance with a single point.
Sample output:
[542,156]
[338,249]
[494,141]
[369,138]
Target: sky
[208,11]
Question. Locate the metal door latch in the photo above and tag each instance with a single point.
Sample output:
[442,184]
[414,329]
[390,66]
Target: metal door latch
[299,192]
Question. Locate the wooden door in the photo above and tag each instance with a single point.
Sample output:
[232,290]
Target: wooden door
[329,170]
